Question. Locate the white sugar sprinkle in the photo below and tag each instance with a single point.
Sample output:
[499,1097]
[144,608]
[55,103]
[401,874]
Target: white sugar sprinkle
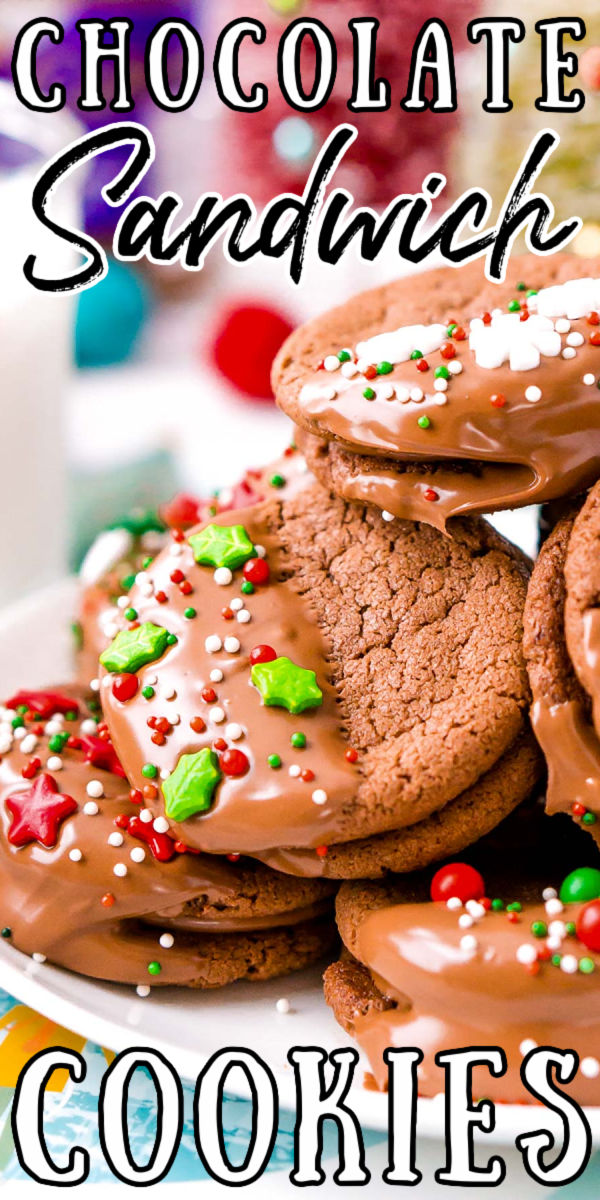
[533,394]
[176,550]
[94,789]
[440,398]
[38,958]
[526,1045]
[557,929]
[468,943]
[260,550]
[569,964]
[575,339]
[440,385]
[283,1005]
[590,1068]
[549,893]
[29,743]
[223,576]
[588,379]
[160,825]
[475,909]
[402,393]
[234,731]
[455,367]
[120,870]
[142,990]
[138,854]
[171,695]
[53,726]
[526,953]
[166,940]
[88,726]
[332,362]
[319,796]
[416,394]
[54,763]
[213,644]
[237,604]
[244,616]
[115,838]
[465,921]
[562,325]
[232,645]
[94,685]
[90,808]
[569,352]
[146,816]
[454,903]
[553,906]
[217,714]
[387,516]
[75,854]
[294,771]
[216,676]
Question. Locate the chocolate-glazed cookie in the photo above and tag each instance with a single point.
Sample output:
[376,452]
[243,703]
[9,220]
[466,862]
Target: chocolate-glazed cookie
[582,606]
[490,388]
[493,959]
[327,676]
[92,881]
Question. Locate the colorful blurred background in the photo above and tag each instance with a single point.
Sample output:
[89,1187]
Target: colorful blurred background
[156,380]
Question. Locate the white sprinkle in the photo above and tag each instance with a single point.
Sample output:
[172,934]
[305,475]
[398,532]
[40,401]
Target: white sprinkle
[386,391]
[533,394]
[562,325]
[141,578]
[332,362]
[54,763]
[160,825]
[146,816]
[465,921]
[588,379]
[75,854]
[213,644]
[216,676]
[526,1045]
[569,964]
[147,589]
[319,796]
[569,352]
[468,943]
[226,495]
[176,550]
[166,940]
[553,906]
[475,909]
[94,685]
[416,394]
[20,733]
[554,943]
[454,903]
[88,726]
[387,516]
[164,772]
[236,604]
[138,854]
[120,869]
[223,576]
[53,726]
[123,602]
[217,714]
[575,339]
[29,743]
[283,1005]
[111,629]
[172,695]
[151,680]
[142,990]
[526,954]
[455,367]
[243,616]
[175,719]
[295,771]
[234,731]
[549,894]
[590,1068]
[440,385]
[402,393]
[90,808]
[260,550]
[38,958]
[115,838]
[440,398]
[557,929]
[232,645]
[349,370]
[94,789]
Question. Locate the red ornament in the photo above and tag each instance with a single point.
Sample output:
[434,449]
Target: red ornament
[43,704]
[136,796]
[161,597]
[588,925]
[161,846]
[38,812]
[234,762]
[246,342]
[257,571]
[457,879]
[219,744]
[124,687]
[262,654]
[181,512]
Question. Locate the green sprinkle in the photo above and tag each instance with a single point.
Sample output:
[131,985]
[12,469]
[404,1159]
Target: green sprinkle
[6,932]
[277,481]
[131,614]
[189,614]
[369,393]
[344,356]
[423,422]
[71,715]
[148,693]
[77,634]
[570,928]
[17,722]
[171,639]
[212,512]
[22,709]
[532,291]
[274,761]
[586,965]
[497,905]
[417,354]
[154,968]
[149,771]
[441,373]
[514,907]
[147,562]
[385,368]
[450,330]
[589,818]
[555,960]
[298,741]
[58,742]
[521,287]
[247,588]
[539,929]
[127,583]
[513,306]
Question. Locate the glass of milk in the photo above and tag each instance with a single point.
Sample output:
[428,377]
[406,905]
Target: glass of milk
[35,354]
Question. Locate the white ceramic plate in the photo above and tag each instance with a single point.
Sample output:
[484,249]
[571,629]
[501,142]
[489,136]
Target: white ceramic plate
[186,1026]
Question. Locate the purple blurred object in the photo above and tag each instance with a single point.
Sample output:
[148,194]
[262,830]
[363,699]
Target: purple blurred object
[14,153]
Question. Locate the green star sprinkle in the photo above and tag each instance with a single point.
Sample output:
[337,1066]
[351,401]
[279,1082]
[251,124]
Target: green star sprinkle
[222,546]
[285,685]
[133,648]
[189,789]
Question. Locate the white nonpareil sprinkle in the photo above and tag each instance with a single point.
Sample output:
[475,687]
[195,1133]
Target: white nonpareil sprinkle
[38,958]
[440,385]
[216,676]
[120,870]
[166,940]
[554,943]
[142,990]
[138,854]
[94,685]
[217,714]
[19,734]
[151,680]
[553,906]
[213,644]
[569,352]
[549,893]
[164,771]
[146,816]
[294,771]
[147,589]
[160,825]
[562,325]
[176,550]
[465,921]
[387,516]
[171,695]
[440,398]
[29,743]
[402,393]
[232,645]
[53,726]
[386,391]
[319,796]
[123,602]
[234,731]
[332,362]
[416,394]
[88,726]
[223,576]
[349,370]
[475,909]
[590,1068]
[90,808]
[468,943]
[75,854]
[54,763]
[526,953]
[557,929]
[588,379]
[569,964]
[455,367]
[115,838]
[243,616]
[283,1005]
[94,789]
[260,551]
[527,1045]
[533,394]
[575,339]
[237,604]
[454,903]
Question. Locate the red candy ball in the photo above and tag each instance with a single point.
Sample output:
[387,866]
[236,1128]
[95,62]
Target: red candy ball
[234,762]
[124,687]
[256,571]
[245,345]
[588,925]
[457,879]
[262,654]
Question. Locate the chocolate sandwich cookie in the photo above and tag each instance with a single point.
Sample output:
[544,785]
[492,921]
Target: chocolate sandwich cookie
[561,712]
[121,553]
[91,879]
[327,676]
[444,394]
[508,955]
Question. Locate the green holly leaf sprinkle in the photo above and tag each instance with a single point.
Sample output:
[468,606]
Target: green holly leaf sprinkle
[285,685]
[189,789]
[133,648]
[222,546]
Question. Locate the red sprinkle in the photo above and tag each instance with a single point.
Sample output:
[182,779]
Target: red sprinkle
[595,339]
[262,654]
[107,900]
[163,725]
[136,796]
[150,791]
[533,968]
[486,318]
[177,535]
[448,350]
[177,576]
[220,744]
[158,739]
[233,857]
[430,494]
[322,851]
[593,319]
[33,765]
[209,695]
[459,334]
[498,399]
[257,571]
[524,315]
[486,902]
[186,588]
[122,821]
[161,597]
[197,724]
[124,687]
[234,762]
[307,775]
[513,917]
[227,614]
[578,810]
[370,372]
[422,364]
[351,754]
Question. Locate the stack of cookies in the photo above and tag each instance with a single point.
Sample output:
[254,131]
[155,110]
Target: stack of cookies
[329,683]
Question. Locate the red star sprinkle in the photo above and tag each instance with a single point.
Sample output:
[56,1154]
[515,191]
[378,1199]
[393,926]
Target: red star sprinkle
[38,812]
[45,704]
[99,753]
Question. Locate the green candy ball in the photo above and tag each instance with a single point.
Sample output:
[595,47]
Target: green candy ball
[580,886]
